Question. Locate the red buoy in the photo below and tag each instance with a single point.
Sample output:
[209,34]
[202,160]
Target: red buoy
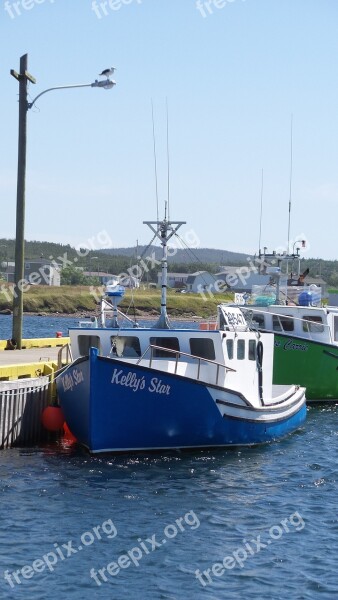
[52,418]
[58,334]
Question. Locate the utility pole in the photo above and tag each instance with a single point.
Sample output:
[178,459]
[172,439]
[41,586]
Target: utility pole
[24,106]
[23,77]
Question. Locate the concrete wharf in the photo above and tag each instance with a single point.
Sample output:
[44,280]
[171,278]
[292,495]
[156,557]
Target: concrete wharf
[27,387]
[28,355]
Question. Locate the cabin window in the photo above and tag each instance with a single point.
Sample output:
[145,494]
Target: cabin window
[313,324]
[258,321]
[252,349]
[165,342]
[230,349]
[240,349]
[86,342]
[204,348]
[335,328]
[126,346]
[282,323]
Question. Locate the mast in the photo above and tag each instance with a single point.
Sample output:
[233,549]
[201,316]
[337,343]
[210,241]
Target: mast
[261,215]
[290,185]
[164,230]
[155,160]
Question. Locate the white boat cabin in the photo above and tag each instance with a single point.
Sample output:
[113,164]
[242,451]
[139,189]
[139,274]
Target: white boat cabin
[308,322]
[223,357]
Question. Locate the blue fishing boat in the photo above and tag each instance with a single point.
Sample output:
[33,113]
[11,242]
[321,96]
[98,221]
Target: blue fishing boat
[133,389]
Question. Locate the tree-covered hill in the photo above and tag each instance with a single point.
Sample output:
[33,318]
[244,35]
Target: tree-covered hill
[119,260]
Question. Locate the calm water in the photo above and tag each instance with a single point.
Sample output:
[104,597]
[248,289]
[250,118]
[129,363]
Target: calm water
[35,327]
[53,497]
[270,513]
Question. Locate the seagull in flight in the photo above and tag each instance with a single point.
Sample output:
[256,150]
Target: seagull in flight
[108,72]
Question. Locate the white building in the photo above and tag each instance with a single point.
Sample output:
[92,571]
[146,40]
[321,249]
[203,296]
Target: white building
[175,280]
[201,281]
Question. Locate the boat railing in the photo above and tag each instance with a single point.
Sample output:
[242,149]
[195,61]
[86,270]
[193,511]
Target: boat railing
[177,355]
[309,326]
[67,351]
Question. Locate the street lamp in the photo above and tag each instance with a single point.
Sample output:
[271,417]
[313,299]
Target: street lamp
[303,245]
[23,77]
[106,84]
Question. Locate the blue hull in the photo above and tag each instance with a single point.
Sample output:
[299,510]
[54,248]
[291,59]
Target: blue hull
[110,405]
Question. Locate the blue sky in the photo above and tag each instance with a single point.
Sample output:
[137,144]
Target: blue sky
[233,73]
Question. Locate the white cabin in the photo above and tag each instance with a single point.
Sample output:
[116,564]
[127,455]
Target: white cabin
[308,322]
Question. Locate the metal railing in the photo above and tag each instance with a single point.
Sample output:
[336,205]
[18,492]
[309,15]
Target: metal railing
[66,349]
[178,354]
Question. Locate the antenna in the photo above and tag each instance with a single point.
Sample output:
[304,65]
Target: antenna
[168,197]
[164,230]
[155,161]
[290,190]
[261,215]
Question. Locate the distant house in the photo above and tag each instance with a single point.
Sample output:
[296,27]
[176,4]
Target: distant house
[37,271]
[241,279]
[8,269]
[175,280]
[41,271]
[201,281]
[103,277]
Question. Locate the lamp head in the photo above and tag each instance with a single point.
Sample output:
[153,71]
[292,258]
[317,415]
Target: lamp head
[106,84]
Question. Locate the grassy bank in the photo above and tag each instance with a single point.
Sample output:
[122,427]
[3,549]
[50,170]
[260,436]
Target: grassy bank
[73,300]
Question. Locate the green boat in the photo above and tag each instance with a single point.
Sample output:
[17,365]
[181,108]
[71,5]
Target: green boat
[306,333]
[305,348]
[307,363]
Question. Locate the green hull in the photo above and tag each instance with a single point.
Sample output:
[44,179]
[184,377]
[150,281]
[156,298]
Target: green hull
[313,365]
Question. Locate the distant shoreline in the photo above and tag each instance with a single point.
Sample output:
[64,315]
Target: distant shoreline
[145,316]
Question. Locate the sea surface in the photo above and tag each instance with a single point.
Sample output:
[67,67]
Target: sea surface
[246,523]
[45,326]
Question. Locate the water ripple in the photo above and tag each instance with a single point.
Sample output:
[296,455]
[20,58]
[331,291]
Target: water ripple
[270,511]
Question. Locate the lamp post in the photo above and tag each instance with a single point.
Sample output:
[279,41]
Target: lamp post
[23,77]
[303,245]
